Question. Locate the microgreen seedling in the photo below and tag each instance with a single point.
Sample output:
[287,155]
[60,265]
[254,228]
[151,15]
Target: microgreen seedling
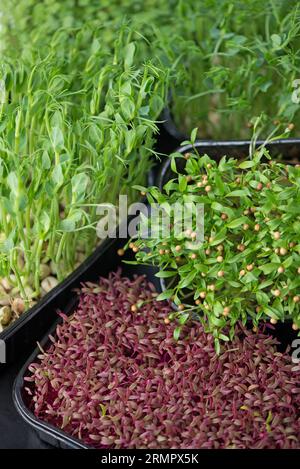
[247,267]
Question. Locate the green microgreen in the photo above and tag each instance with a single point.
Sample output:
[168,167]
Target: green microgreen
[232,62]
[247,266]
[77,129]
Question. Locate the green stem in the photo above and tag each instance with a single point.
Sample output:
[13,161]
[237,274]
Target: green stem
[4,220]
[25,240]
[37,276]
[60,250]
[15,270]
[54,217]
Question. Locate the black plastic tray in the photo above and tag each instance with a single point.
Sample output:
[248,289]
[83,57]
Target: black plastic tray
[47,433]
[54,436]
[166,142]
[170,126]
[103,261]
[289,149]
[289,146]
[21,336]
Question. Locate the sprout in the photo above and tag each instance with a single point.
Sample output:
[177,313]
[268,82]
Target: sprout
[78,131]
[260,269]
[117,379]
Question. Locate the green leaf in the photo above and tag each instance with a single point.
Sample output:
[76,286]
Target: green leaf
[173,163]
[128,108]
[295,283]
[276,39]
[165,295]
[57,138]
[269,268]
[234,284]
[7,245]
[217,207]
[183,318]
[236,223]
[219,237]
[182,183]
[262,298]
[247,164]
[265,284]
[156,104]
[194,135]
[239,193]
[45,222]
[129,51]
[217,346]
[249,277]
[288,262]
[139,188]
[224,337]
[270,312]
[103,410]
[147,85]
[277,306]
[57,176]
[296,227]
[126,88]
[79,185]
[187,280]
[265,86]
[176,333]
[13,182]
[220,186]
[219,322]
[46,162]
[166,273]
[67,225]
[21,202]
[130,138]
[56,119]
[286,194]
[218,308]
[220,208]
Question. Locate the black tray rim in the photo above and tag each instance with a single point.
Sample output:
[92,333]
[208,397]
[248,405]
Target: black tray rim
[38,425]
[223,145]
[27,415]
[9,331]
[172,129]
